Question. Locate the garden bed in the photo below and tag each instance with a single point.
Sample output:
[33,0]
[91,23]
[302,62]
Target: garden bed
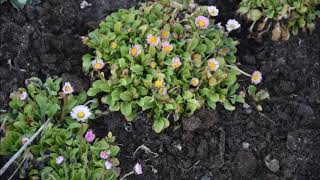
[44,40]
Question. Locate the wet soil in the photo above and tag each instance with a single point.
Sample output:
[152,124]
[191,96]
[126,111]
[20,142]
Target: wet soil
[281,142]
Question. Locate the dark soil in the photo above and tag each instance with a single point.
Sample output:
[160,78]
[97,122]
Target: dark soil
[44,41]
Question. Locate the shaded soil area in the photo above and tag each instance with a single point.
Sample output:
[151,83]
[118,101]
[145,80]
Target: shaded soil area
[281,142]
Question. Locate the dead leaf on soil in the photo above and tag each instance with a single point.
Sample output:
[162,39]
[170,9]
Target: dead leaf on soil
[276,32]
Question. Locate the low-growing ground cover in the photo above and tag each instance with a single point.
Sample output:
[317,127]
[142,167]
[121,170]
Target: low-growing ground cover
[224,144]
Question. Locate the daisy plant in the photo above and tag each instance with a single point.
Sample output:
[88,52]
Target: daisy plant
[282,16]
[65,140]
[164,64]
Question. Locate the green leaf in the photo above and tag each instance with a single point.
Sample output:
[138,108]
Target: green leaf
[262,94]
[74,125]
[126,96]
[252,90]
[166,122]
[122,63]
[158,125]
[114,150]
[254,14]
[126,108]
[117,27]
[137,69]
[86,63]
[192,44]
[227,105]
[146,102]
[187,95]
[18,4]
[214,97]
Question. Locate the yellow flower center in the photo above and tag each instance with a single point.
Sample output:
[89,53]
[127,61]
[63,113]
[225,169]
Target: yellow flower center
[194,81]
[232,26]
[67,88]
[164,34]
[85,40]
[134,51]
[176,64]
[201,23]
[158,84]
[212,65]
[114,45]
[212,81]
[80,114]
[255,76]
[167,49]
[98,66]
[153,40]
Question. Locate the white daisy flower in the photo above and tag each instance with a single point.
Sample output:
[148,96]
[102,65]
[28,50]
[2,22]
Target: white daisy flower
[135,50]
[59,159]
[202,22]
[232,24]
[153,40]
[166,47]
[138,169]
[194,81]
[213,64]
[67,88]
[23,96]
[97,64]
[213,10]
[80,113]
[256,77]
[176,62]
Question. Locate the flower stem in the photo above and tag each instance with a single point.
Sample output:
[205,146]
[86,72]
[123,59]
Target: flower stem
[63,111]
[236,68]
[126,175]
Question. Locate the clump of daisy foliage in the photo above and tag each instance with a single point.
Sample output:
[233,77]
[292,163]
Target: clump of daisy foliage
[164,58]
[283,16]
[48,122]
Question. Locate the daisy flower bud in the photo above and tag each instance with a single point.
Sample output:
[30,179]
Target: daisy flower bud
[114,45]
[97,64]
[80,113]
[212,81]
[59,159]
[194,81]
[67,88]
[256,77]
[202,22]
[135,50]
[175,62]
[153,40]
[138,169]
[213,64]
[89,136]
[24,140]
[167,47]
[23,96]
[163,91]
[213,10]
[159,84]
[232,24]
[84,40]
[108,165]
[104,154]
[164,34]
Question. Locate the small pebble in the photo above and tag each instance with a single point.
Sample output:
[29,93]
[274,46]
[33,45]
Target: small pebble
[245,145]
